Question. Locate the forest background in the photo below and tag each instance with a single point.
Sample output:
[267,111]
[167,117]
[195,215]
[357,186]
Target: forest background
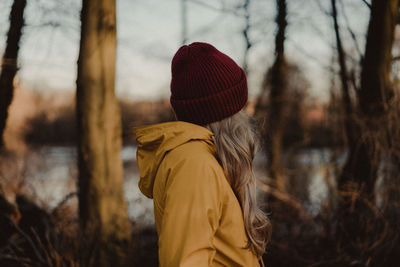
[324,90]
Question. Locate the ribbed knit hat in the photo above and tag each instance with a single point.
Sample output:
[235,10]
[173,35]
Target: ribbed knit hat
[206,85]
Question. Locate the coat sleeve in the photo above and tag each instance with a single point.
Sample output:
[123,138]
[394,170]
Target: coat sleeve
[191,214]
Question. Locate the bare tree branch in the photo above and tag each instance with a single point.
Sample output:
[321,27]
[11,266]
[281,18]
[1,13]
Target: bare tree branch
[245,32]
[351,32]
[28,239]
[217,9]
[326,12]
[314,58]
[368,4]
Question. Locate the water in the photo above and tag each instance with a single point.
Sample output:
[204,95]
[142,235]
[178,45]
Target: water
[51,175]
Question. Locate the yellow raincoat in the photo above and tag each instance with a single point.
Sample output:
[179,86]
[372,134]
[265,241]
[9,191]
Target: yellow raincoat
[198,217]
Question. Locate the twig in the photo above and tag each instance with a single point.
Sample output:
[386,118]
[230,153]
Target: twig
[326,12]
[64,200]
[352,34]
[368,4]
[314,58]
[223,9]
[17,258]
[35,250]
[41,245]
[286,198]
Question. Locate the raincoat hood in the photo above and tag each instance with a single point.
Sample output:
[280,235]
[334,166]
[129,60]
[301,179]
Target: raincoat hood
[155,141]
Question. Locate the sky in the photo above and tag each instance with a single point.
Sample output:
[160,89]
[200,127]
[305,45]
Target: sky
[149,33]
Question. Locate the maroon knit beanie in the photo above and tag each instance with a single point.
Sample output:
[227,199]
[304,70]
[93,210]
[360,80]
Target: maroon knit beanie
[206,85]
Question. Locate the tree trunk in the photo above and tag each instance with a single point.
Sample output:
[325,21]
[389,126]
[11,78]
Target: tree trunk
[346,100]
[277,100]
[9,64]
[102,208]
[357,181]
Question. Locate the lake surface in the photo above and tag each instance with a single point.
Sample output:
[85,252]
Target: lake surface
[50,175]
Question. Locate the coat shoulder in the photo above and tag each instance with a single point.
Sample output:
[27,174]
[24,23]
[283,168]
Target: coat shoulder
[197,159]
[192,152]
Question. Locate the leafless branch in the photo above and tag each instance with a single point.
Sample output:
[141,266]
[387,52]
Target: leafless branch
[351,32]
[217,9]
[28,239]
[314,58]
[368,4]
[322,34]
[326,12]
[285,198]
[64,200]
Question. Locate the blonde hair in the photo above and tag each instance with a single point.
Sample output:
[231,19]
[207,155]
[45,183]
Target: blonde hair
[236,145]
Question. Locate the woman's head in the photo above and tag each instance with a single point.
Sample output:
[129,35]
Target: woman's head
[206,85]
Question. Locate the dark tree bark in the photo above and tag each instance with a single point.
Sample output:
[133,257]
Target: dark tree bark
[376,90]
[277,100]
[344,79]
[9,66]
[102,208]
[359,175]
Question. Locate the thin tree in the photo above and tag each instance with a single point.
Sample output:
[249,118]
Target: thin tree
[344,79]
[102,208]
[276,77]
[9,66]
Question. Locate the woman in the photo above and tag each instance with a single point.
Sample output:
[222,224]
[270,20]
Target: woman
[198,169]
